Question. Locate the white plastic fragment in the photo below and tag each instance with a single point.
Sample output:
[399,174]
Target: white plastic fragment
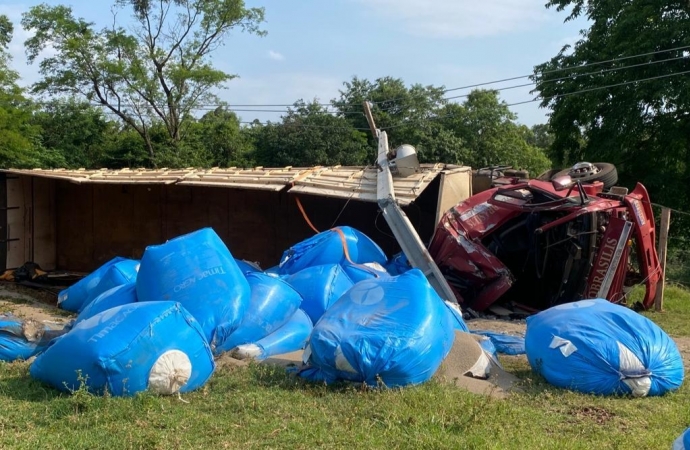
[246,351]
[170,372]
[565,346]
[637,377]
[482,368]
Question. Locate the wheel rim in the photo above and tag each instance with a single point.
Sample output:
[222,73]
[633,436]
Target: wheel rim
[583,170]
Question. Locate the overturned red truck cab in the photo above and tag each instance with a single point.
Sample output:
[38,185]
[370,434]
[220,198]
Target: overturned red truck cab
[533,244]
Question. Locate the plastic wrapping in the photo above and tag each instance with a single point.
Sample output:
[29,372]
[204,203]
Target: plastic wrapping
[328,247]
[366,271]
[123,349]
[395,329]
[117,296]
[198,271]
[77,296]
[320,286]
[398,264]
[21,339]
[456,314]
[246,266]
[291,337]
[597,347]
[505,343]
[273,302]
[683,441]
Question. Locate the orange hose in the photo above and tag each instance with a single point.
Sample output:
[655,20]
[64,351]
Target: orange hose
[343,239]
[304,214]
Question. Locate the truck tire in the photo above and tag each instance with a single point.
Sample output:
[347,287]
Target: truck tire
[607,174]
[548,175]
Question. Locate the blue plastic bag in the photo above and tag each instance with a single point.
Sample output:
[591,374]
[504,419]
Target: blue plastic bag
[117,296]
[505,343]
[456,314]
[198,271]
[361,272]
[273,302]
[75,297]
[395,328]
[320,286]
[683,441]
[398,264]
[246,267]
[594,346]
[122,272]
[291,337]
[328,247]
[15,345]
[157,346]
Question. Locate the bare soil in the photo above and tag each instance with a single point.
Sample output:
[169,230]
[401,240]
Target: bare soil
[32,304]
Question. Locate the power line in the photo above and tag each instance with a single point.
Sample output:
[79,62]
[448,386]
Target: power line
[600,88]
[582,91]
[570,77]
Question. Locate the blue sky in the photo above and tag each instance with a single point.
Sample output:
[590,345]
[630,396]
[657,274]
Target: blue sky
[313,46]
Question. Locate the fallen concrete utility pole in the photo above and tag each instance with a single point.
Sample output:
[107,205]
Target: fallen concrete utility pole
[397,220]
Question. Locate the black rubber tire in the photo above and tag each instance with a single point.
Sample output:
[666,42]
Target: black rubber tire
[548,175]
[607,175]
[516,173]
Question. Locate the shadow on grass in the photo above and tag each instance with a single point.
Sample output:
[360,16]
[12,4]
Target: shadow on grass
[26,389]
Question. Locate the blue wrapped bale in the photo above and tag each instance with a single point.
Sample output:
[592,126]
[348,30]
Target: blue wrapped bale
[395,328]
[273,302]
[246,266]
[117,296]
[683,441]
[331,247]
[456,314]
[157,346]
[115,272]
[398,264]
[20,339]
[289,338]
[198,271]
[505,343]
[320,286]
[594,346]
[361,272]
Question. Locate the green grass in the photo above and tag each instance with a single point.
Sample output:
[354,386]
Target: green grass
[262,407]
[675,317]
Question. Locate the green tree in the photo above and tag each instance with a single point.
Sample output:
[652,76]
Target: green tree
[634,111]
[403,111]
[153,72]
[309,135]
[488,128]
[19,140]
[76,130]
[219,132]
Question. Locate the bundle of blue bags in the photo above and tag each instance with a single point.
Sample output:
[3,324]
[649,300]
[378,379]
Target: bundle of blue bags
[157,323]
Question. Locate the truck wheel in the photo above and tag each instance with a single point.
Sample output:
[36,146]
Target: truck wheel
[589,172]
[548,175]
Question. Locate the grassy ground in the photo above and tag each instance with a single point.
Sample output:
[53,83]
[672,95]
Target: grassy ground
[261,407]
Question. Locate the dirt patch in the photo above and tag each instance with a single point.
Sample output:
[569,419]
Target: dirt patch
[683,344]
[30,304]
[227,362]
[513,327]
[462,357]
[600,416]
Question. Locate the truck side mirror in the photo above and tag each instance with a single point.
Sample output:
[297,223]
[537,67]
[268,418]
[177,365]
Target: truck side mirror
[562,183]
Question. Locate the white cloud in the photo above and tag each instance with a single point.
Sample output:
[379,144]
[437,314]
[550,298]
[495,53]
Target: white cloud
[276,56]
[460,18]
